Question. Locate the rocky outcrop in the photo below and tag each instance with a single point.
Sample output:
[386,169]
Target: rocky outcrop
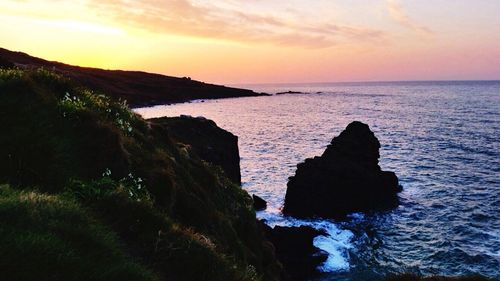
[295,250]
[345,179]
[290,93]
[259,204]
[211,143]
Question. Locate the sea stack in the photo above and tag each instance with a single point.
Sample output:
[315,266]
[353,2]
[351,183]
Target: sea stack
[345,179]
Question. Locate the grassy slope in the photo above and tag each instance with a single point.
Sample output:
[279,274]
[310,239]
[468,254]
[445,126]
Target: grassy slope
[132,191]
[48,237]
[139,88]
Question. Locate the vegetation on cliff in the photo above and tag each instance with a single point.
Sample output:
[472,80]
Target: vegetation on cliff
[137,87]
[93,190]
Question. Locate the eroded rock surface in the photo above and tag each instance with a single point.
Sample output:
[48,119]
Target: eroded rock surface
[296,251]
[345,179]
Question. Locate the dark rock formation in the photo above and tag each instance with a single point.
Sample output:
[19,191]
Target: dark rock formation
[290,93]
[138,88]
[259,204]
[295,250]
[345,179]
[211,143]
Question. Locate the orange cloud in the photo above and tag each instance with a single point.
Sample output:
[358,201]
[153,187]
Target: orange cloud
[399,15]
[183,17]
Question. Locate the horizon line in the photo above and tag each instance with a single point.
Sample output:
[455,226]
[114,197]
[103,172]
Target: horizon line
[360,82]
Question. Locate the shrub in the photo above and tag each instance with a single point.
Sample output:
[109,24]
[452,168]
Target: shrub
[96,189]
[10,76]
[71,105]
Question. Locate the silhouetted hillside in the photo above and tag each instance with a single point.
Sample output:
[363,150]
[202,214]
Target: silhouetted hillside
[138,88]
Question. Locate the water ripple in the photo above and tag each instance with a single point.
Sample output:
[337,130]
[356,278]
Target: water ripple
[442,139]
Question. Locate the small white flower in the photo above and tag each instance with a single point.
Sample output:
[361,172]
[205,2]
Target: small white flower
[107,172]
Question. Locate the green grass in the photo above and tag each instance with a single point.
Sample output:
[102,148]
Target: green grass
[49,237]
[161,203]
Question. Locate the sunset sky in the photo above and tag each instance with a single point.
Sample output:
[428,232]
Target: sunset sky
[264,41]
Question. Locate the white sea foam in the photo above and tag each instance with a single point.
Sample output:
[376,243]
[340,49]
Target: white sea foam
[336,243]
[441,139]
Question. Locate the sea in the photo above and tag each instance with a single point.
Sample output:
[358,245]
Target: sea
[441,138]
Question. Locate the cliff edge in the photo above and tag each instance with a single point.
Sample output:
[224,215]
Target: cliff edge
[90,190]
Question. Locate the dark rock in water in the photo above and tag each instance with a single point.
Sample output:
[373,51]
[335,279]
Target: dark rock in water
[290,93]
[345,179]
[209,142]
[259,204]
[295,250]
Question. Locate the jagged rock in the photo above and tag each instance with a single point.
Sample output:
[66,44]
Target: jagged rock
[259,204]
[211,143]
[295,250]
[345,179]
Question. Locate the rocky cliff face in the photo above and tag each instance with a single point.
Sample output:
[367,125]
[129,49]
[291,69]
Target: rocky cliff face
[345,179]
[295,250]
[209,142]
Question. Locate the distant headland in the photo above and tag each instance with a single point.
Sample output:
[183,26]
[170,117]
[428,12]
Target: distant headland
[137,87]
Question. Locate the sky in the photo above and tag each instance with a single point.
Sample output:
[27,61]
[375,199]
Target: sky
[264,41]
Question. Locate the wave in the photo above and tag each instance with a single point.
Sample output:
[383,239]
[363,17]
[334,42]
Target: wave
[336,243]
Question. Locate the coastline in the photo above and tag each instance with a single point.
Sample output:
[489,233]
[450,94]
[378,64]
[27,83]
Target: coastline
[181,151]
[139,89]
[257,146]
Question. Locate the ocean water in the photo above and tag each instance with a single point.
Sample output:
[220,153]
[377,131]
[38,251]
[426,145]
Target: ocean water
[441,138]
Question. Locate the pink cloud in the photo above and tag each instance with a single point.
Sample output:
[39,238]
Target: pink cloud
[183,17]
[399,15]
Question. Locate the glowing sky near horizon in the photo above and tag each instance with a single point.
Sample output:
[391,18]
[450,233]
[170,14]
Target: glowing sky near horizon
[264,41]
